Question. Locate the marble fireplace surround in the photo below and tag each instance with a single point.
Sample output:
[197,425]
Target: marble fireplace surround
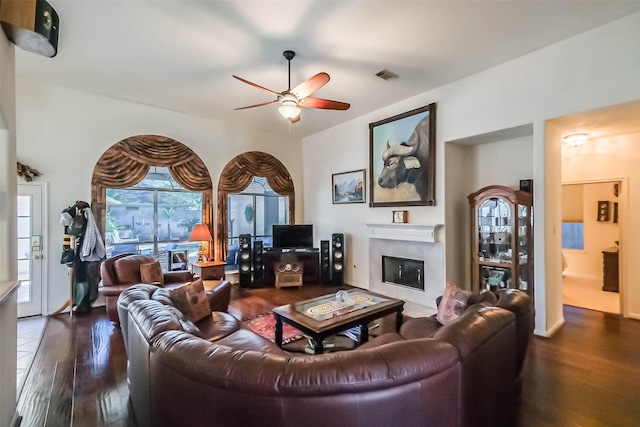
[413,241]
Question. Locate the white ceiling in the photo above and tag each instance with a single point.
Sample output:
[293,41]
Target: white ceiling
[180,55]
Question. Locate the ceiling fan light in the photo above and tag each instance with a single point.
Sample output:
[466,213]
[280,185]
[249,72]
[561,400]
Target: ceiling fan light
[289,110]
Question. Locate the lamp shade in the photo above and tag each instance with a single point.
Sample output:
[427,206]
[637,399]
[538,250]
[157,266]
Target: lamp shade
[200,233]
[289,110]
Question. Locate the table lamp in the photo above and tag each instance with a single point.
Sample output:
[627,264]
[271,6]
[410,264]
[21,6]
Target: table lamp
[200,233]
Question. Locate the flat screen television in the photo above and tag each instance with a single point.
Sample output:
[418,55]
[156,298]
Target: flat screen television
[293,236]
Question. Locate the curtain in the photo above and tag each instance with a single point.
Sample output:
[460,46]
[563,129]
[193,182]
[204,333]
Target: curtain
[237,175]
[127,162]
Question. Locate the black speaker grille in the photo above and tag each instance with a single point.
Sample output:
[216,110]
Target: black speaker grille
[244,262]
[337,258]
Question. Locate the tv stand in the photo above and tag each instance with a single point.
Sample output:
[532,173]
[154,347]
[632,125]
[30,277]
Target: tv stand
[308,257]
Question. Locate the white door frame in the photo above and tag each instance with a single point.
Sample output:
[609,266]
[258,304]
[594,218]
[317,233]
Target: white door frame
[44,191]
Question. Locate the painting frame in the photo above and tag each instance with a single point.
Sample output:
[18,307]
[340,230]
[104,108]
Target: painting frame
[345,187]
[402,159]
[603,210]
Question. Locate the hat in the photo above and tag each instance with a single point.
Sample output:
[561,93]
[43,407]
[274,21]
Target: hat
[65,218]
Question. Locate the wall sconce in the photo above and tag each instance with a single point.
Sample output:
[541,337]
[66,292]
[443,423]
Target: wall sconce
[575,139]
[200,233]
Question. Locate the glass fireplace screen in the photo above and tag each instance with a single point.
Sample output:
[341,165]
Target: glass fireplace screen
[403,272]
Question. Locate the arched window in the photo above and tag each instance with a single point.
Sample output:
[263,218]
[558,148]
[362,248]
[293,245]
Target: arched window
[129,162]
[255,210]
[238,175]
[153,216]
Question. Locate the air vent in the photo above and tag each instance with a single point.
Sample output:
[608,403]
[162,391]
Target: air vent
[386,75]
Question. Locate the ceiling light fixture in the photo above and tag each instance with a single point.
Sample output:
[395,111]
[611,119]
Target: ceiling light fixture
[289,110]
[575,139]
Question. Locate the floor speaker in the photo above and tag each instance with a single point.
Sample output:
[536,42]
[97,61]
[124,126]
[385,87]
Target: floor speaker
[337,258]
[244,260]
[258,264]
[325,262]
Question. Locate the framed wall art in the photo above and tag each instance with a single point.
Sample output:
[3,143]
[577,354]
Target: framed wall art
[402,159]
[603,210]
[400,217]
[348,187]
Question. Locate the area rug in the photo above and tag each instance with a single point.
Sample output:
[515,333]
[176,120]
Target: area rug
[265,326]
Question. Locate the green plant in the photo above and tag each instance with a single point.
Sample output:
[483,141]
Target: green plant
[188,223]
[111,227]
[168,213]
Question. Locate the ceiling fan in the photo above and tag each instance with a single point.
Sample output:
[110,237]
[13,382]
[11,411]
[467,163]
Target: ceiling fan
[292,99]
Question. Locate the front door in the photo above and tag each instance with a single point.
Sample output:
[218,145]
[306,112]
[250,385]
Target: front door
[30,249]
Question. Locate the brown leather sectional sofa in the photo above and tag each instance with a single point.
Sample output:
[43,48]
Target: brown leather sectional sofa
[123,271]
[214,373]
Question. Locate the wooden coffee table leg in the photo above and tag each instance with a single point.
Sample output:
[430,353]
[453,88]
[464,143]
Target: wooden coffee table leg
[278,336]
[318,346]
[398,319]
[364,332]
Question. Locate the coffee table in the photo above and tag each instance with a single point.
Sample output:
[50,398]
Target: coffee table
[325,316]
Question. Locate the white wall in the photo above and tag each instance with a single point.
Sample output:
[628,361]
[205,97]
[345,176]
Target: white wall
[591,70]
[503,162]
[8,231]
[63,133]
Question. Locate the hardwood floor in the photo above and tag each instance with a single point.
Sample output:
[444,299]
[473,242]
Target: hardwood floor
[588,373]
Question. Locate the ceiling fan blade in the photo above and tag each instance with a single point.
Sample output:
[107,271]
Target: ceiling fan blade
[310,85]
[295,119]
[256,85]
[325,104]
[256,105]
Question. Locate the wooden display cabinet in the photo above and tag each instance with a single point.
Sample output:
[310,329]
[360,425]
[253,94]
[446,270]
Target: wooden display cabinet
[501,239]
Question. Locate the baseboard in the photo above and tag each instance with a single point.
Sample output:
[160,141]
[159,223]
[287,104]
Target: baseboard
[549,332]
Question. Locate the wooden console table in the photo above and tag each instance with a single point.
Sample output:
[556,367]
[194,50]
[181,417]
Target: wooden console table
[210,270]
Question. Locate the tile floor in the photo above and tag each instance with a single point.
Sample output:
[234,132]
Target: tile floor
[30,331]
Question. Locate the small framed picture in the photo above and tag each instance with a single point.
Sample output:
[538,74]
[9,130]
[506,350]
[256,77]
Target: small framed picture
[348,187]
[400,216]
[603,210]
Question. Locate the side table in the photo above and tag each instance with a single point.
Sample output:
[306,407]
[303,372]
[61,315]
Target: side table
[210,270]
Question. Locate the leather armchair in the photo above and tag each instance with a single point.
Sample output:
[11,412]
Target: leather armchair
[123,271]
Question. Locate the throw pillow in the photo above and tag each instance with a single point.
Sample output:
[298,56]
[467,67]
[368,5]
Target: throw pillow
[192,300]
[152,273]
[454,301]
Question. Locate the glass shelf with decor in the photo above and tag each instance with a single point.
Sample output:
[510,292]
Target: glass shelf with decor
[502,239]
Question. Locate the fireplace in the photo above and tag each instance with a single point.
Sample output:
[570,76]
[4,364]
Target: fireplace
[414,248]
[403,272]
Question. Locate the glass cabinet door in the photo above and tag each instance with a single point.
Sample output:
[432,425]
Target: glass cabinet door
[502,239]
[494,234]
[494,278]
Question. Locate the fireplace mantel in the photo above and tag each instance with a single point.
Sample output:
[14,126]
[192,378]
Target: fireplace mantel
[427,233]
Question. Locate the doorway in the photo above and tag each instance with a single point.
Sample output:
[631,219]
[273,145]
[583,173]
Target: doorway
[591,233]
[31,263]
